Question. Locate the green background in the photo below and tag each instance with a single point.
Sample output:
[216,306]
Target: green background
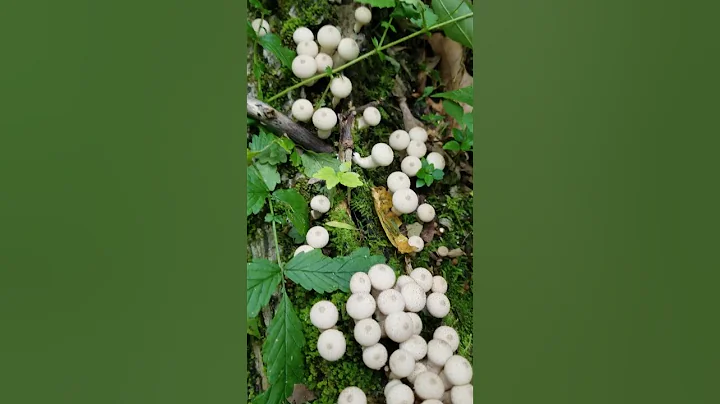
[122,251]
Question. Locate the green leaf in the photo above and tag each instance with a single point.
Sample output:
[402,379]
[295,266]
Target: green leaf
[253,327]
[460,31]
[263,278]
[340,225]
[250,32]
[344,167]
[380,54]
[428,180]
[328,175]
[273,44]
[458,134]
[430,18]
[350,180]
[464,95]
[299,211]
[419,183]
[438,174]
[452,145]
[257,191]
[268,148]
[282,352]
[378,3]
[315,271]
[269,175]
[295,159]
[313,162]
[453,109]
[427,91]
[468,122]
[393,62]
[286,144]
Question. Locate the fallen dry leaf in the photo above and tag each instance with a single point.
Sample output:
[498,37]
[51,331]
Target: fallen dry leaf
[390,222]
[301,395]
[428,232]
[452,66]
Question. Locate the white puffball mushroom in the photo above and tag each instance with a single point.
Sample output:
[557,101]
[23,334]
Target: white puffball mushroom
[260,26]
[375,356]
[340,87]
[304,66]
[399,140]
[364,162]
[320,203]
[382,154]
[446,382]
[419,368]
[425,212]
[381,276]
[398,180]
[401,363]
[352,395]
[324,120]
[417,243]
[328,37]
[309,48]
[416,346]
[303,34]
[303,249]
[417,323]
[443,252]
[416,148]
[432,401]
[405,201]
[436,159]
[428,385]
[302,110]
[458,370]
[414,297]
[438,352]
[317,237]
[400,394]
[392,383]
[363,16]
[439,284]
[372,116]
[419,134]
[367,332]
[462,394]
[398,327]
[403,280]
[410,165]
[422,277]
[324,315]
[331,345]
[360,283]
[360,306]
[449,335]
[390,301]
[438,305]
[323,61]
[348,49]
[431,367]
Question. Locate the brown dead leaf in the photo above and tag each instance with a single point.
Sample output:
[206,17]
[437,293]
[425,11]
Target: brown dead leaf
[390,222]
[452,65]
[428,232]
[301,395]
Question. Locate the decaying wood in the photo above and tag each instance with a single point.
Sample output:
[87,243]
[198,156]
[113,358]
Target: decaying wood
[347,121]
[257,352]
[281,124]
[399,91]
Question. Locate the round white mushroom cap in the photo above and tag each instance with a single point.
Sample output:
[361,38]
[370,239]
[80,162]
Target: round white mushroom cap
[403,280]
[340,87]
[309,48]
[419,368]
[400,394]
[422,277]
[397,180]
[352,395]
[324,118]
[416,345]
[410,165]
[360,283]
[458,370]
[304,66]
[331,345]
[439,284]
[417,243]
[375,356]
[323,61]
[399,140]
[431,367]
[416,148]
[426,213]
[260,26]
[302,110]
[432,401]
[348,49]
[320,203]
[367,332]
[302,249]
[324,315]
[414,297]
[417,323]
[390,301]
[419,134]
[449,335]
[381,276]
[382,154]
[398,326]
[439,352]
[438,305]
[405,201]
[446,382]
[360,306]
[436,159]
[392,383]
[401,363]
[328,37]
[317,237]
[462,394]
[372,116]
[428,385]
[303,34]
[363,15]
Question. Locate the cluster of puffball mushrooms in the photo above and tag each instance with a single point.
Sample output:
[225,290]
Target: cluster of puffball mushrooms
[317,236]
[436,373]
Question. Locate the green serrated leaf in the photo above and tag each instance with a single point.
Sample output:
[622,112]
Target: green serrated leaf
[350,180]
[282,352]
[452,145]
[315,271]
[453,109]
[313,162]
[438,174]
[328,175]
[268,149]
[460,31]
[427,91]
[263,278]
[286,144]
[419,182]
[464,95]
[295,159]
[378,3]
[430,18]
[274,45]
[259,6]
[344,167]
[340,225]
[458,134]
[269,175]
[299,211]
[257,191]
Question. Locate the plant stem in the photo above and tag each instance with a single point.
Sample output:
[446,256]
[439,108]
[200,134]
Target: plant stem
[367,55]
[277,245]
[382,38]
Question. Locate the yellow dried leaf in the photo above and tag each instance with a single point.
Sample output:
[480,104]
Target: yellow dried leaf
[390,222]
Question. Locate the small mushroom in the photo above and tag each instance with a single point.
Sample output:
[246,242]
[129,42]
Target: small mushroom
[425,212]
[323,61]
[340,87]
[428,385]
[417,243]
[304,66]
[392,383]
[398,180]
[352,395]
[360,283]
[382,154]
[260,26]
[363,16]
[419,134]
[302,110]
[438,305]
[442,251]
[370,117]
[381,276]
[410,165]
[422,277]
[400,394]
[324,315]
[417,323]
[419,368]
[331,345]
[303,34]
[449,335]
[414,297]
[399,140]
[303,249]
[405,201]
[367,332]
[416,148]
[317,237]
[439,284]
[390,301]
[348,49]
[458,370]
[401,363]
[416,346]
[360,306]
[432,401]
[320,203]
[403,280]
[438,352]
[309,48]
[431,367]
[328,37]
[436,159]
[446,382]
[364,162]
[398,326]
[324,120]
[375,357]
[462,394]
